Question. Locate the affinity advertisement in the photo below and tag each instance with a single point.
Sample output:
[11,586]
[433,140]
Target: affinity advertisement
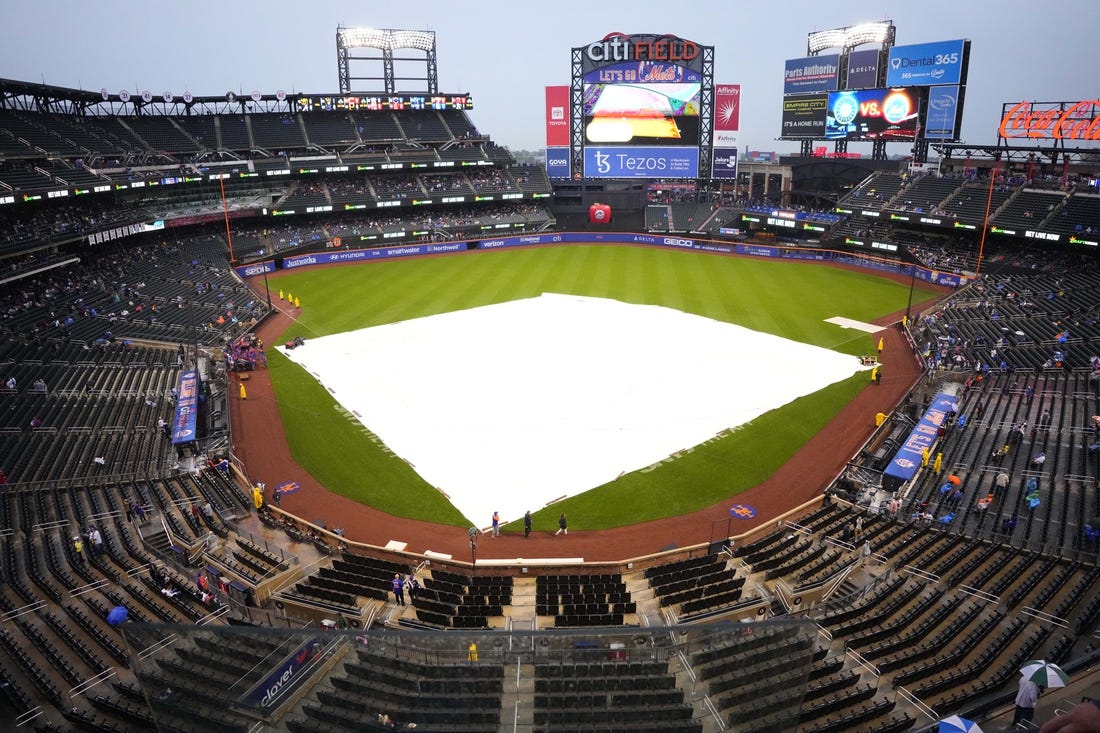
[804,116]
[725,164]
[941,118]
[873,114]
[727,114]
[641,162]
[558,165]
[925,64]
[863,69]
[812,74]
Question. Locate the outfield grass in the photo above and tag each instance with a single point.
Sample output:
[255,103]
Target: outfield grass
[788,299]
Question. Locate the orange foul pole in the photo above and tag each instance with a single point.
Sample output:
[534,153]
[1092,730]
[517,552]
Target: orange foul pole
[225,210]
[985,219]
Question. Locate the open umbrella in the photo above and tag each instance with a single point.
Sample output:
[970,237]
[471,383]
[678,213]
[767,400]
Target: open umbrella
[117,615]
[1044,674]
[953,479]
[955,724]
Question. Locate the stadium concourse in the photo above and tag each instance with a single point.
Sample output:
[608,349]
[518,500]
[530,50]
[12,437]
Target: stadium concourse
[261,444]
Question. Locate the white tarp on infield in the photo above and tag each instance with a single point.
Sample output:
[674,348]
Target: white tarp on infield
[507,407]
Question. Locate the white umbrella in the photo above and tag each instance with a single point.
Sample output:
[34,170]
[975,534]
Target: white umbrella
[955,724]
[1044,674]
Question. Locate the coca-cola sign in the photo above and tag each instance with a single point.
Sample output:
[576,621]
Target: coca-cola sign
[1052,120]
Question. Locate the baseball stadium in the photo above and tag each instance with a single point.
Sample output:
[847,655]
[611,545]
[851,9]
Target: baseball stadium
[327,412]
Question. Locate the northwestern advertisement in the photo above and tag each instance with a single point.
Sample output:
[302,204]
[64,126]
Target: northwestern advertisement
[926,64]
[812,74]
[641,162]
[558,164]
[942,116]
[724,165]
[805,116]
[863,69]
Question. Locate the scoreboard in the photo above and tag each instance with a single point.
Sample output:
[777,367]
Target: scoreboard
[375,103]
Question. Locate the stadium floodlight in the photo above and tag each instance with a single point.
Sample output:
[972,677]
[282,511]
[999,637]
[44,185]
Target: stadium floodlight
[851,36]
[385,39]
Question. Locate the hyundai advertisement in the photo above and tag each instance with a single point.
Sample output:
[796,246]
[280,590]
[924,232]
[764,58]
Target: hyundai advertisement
[873,114]
[928,64]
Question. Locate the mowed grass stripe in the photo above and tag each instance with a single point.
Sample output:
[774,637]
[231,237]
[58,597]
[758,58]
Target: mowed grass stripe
[788,299]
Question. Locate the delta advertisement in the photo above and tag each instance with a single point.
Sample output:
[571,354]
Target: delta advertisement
[185,416]
[557,116]
[941,118]
[927,64]
[863,69]
[724,165]
[641,162]
[727,115]
[811,74]
[558,164]
[909,457]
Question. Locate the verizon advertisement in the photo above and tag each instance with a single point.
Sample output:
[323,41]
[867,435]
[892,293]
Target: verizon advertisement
[557,116]
[727,114]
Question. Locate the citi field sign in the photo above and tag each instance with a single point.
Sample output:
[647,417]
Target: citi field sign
[616,48]
[1052,120]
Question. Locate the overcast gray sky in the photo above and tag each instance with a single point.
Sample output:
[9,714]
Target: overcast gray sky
[504,52]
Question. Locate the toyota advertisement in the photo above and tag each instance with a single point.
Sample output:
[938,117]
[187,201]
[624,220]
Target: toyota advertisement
[873,114]
[557,116]
[928,64]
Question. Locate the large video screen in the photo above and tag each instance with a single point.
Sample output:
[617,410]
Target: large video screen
[873,114]
[642,113]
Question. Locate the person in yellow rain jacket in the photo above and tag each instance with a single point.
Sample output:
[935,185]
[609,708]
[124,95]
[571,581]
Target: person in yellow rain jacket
[938,465]
[244,394]
[258,496]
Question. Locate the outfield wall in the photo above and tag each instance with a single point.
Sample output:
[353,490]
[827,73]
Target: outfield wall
[935,277]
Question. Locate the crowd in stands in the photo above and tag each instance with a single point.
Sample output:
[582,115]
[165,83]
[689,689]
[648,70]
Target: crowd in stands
[31,223]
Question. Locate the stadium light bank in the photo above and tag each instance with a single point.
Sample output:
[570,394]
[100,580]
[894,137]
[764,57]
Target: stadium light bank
[851,36]
[385,39]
